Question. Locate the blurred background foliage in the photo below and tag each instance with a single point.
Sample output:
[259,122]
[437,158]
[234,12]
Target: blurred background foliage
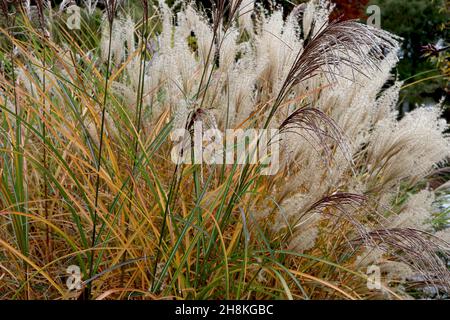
[420,23]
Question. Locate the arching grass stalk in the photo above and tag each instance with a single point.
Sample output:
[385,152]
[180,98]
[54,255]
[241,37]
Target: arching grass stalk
[139,103]
[19,223]
[189,221]
[172,191]
[110,14]
[40,6]
[422,80]
[217,19]
[142,161]
[221,7]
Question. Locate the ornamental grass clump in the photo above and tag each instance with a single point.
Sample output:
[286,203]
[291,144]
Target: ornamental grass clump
[93,206]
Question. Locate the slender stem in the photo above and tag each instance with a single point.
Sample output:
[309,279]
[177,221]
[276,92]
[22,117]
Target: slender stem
[421,80]
[99,161]
[139,103]
[44,139]
[20,224]
[172,191]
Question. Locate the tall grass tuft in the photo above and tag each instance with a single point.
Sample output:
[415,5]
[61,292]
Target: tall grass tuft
[87,179]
